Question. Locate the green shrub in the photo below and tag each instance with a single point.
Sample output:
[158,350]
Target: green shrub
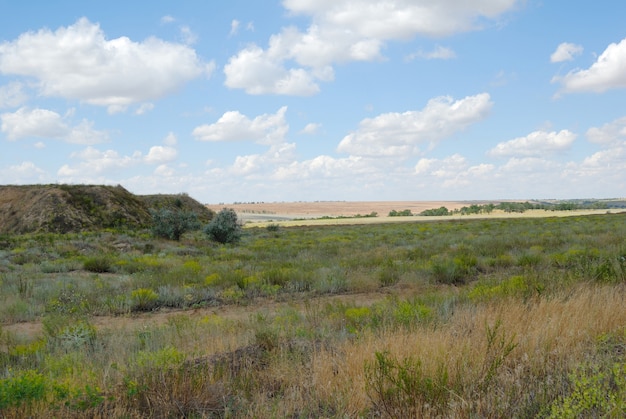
[224,227]
[143,299]
[600,392]
[22,388]
[273,228]
[98,264]
[172,225]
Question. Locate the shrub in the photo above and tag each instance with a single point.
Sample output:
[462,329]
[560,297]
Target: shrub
[273,228]
[173,224]
[98,264]
[402,388]
[224,227]
[143,299]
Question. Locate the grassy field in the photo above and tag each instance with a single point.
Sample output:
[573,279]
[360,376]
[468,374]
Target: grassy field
[469,317]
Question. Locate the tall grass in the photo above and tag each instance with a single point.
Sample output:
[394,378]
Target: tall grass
[483,318]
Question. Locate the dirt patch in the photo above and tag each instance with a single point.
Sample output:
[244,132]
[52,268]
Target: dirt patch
[34,329]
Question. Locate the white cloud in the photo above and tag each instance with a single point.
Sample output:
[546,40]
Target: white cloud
[258,73]
[43,123]
[168,19]
[170,139]
[535,144]
[401,134]
[451,172]
[12,95]
[439,53]
[605,74]
[23,173]
[565,52]
[310,128]
[390,19]
[93,162]
[611,133]
[160,154]
[234,126]
[78,62]
[144,108]
[344,31]
[234,27]
[189,37]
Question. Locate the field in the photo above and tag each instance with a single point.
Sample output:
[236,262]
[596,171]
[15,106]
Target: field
[455,317]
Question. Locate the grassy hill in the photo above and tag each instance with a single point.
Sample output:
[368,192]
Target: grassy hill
[75,208]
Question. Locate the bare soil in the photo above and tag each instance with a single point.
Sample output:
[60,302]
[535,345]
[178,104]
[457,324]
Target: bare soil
[280,211]
[33,329]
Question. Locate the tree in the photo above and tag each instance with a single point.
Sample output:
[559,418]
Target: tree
[173,224]
[224,227]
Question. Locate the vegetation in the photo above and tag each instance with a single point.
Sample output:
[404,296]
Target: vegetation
[521,207]
[519,317]
[403,213]
[224,227]
[172,224]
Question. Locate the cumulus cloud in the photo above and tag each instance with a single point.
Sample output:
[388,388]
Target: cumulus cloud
[390,19]
[12,95]
[43,123]
[93,162]
[401,134]
[23,173]
[452,171]
[535,144]
[611,133]
[605,74]
[78,62]
[160,154]
[342,31]
[234,126]
[258,72]
[565,52]
[260,166]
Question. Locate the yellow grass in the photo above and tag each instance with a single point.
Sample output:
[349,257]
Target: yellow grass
[552,335]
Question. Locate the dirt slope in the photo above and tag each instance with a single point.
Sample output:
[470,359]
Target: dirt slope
[75,208]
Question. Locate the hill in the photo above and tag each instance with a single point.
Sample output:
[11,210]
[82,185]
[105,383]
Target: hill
[75,208]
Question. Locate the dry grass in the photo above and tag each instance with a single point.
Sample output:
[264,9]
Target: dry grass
[552,336]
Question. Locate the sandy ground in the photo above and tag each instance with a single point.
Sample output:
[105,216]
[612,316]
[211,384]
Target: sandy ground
[311,213]
[278,211]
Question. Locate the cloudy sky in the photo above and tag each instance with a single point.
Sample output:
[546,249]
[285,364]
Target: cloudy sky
[303,100]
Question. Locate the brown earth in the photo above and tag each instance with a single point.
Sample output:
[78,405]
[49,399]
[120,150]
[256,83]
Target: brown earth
[290,210]
[77,208]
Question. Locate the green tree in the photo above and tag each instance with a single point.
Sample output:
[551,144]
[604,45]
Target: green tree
[224,227]
[173,224]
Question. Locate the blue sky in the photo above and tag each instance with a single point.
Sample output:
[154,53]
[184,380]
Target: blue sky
[305,100]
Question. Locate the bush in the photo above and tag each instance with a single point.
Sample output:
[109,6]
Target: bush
[173,224]
[224,227]
[98,264]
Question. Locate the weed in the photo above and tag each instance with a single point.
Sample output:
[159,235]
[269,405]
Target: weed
[595,392]
[98,264]
[143,299]
[402,388]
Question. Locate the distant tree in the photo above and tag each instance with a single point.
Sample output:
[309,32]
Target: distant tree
[172,225]
[436,211]
[224,227]
[403,213]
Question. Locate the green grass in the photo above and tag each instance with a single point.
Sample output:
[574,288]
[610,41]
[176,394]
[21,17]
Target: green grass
[452,318]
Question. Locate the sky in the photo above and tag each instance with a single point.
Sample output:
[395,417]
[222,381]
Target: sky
[317,100]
